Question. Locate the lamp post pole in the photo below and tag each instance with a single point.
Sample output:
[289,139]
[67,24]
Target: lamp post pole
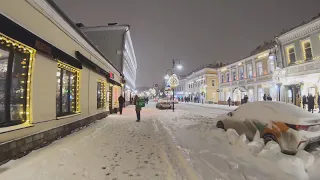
[173,65]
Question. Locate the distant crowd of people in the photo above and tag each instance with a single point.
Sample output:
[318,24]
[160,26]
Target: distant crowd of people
[308,100]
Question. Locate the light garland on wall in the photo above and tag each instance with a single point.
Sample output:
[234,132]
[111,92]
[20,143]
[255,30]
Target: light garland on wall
[72,69]
[103,91]
[9,42]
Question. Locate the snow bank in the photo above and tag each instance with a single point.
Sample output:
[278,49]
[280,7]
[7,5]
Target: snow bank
[270,149]
[243,141]
[257,144]
[293,166]
[307,158]
[232,136]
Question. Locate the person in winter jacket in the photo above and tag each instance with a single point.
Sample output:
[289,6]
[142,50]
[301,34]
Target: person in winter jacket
[245,98]
[269,98]
[310,103]
[229,101]
[121,103]
[304,101]
[264,97]
[138,108]
[298,100]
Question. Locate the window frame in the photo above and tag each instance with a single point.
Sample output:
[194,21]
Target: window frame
[260,73]
[213,82]
[103,97]
[68,68]
[241,74]
[303,42]
[15,47]
[222,78]
[249,71]
[287,48]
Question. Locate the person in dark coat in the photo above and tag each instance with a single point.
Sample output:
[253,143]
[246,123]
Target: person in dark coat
[310,103]
[269,98]
[245,98]
[304,101]
[264,97]
[138,108]
[229,101]
[121,103]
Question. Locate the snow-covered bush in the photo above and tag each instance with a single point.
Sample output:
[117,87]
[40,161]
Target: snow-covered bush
[232,136]
[307,158]
[293,166]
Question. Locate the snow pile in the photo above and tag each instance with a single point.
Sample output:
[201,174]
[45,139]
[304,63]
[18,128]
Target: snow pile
[243,141]
[307,158]
[257,144]
[294,166]
[270,149]
[232,136]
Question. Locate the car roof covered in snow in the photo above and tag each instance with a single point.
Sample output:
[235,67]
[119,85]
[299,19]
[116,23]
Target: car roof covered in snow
[277,111]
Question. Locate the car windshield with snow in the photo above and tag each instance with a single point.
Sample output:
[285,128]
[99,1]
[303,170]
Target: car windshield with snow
[290,126]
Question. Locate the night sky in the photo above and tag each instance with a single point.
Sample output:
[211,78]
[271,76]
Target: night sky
[195,31]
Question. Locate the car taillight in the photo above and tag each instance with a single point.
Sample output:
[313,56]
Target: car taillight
[298,127]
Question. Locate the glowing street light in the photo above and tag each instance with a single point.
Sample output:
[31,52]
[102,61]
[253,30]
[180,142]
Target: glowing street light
[179,67]
[166,77]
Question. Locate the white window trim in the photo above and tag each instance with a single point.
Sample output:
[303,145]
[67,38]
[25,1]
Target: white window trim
[302,42]
[287,47]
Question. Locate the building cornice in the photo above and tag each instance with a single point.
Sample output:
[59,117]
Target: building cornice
[300,31]
[45,9]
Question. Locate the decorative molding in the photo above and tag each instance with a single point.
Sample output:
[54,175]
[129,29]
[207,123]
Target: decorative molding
[300,31]
[45,9]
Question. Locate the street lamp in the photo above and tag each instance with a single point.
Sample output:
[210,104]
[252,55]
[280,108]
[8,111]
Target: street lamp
[166,77]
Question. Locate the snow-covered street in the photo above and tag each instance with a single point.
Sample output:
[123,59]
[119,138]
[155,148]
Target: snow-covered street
[184,144]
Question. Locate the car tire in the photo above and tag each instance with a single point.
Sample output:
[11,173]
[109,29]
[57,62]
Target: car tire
[269,137]
[220,125]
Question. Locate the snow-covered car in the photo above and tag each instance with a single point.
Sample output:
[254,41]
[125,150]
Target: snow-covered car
[290,126]
[163,105]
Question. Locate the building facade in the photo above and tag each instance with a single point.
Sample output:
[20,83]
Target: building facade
[202,85]
[115,43]
[53,79]
[251,76]
[300,54]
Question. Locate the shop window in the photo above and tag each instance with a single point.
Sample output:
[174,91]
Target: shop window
[213,83]
[67,99]
[260,68]
[222,80]
[307,50]
[15,72]
[241,72]
[249,70]
[101,94]
[291,56]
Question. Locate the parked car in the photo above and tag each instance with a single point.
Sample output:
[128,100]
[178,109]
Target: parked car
[163,105]
[293,128]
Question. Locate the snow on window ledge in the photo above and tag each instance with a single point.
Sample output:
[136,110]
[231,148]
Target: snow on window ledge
[14,128]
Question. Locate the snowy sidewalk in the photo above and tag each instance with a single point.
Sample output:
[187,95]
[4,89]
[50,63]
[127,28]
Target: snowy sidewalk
[215,106]
[114,148]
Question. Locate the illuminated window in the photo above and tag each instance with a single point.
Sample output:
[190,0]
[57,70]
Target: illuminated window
[291,56]
[307,50]
[15,71]
[222,80]
[101,94]
[260,68]
[249,71]
[241,72]
[67,96]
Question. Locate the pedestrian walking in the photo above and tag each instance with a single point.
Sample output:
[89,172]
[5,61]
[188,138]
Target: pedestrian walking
[298,100]
[269,98]
[310,103]
[264,97]
[304,101]
[245,98]
[229,101]
[121,103]
[138,107]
